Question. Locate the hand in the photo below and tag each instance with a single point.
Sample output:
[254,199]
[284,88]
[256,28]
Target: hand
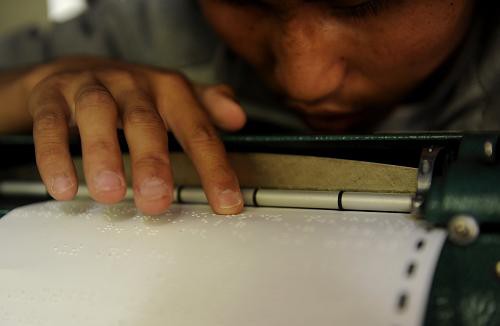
[98,96]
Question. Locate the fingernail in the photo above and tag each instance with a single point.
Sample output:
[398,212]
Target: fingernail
[61,183]
[154,188]
[108,181]
[229,199]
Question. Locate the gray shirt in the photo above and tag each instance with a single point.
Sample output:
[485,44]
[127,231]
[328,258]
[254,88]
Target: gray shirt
[173,34]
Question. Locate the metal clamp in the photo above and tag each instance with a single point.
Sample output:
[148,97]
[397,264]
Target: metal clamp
[424,177]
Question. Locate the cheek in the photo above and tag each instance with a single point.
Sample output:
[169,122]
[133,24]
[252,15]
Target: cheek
[409,45]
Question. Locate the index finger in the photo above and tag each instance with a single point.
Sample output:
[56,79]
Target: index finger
[50,133]
[181,111]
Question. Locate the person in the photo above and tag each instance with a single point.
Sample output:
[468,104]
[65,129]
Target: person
[155,66]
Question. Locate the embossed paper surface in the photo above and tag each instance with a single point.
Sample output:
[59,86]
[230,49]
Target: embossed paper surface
[81,263]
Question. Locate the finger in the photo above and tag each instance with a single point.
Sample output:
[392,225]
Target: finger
[50,132]
[224,110]
[147,141]
[96,117]
[178,106]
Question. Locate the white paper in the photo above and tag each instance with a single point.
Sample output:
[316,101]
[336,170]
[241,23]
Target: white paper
[82,263]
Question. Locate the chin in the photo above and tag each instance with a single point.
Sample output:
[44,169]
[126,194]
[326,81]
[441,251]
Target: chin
[331,125]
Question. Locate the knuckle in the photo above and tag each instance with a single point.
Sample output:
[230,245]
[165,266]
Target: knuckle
[48,120]
[100,146]
[43,95]
[175,80]
[202,135]
[49,152]
[222,88]
[94,96]
[116,74]
[58,80]
[141,115]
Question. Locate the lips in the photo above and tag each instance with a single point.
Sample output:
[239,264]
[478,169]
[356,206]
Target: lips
[325,105]
[336,118]
[328,111]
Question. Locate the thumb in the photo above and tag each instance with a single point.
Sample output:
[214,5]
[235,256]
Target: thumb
[222,107]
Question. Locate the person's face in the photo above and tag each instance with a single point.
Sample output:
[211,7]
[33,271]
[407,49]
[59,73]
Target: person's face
[338,61]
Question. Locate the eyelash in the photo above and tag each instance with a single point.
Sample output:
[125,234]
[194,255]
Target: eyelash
[366,9]
[363,10]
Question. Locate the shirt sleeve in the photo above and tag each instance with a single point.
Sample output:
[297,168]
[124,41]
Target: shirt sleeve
[164,33]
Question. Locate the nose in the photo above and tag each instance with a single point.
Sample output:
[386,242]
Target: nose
[307,64]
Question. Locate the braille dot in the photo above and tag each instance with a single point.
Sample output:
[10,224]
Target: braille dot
[411,269]
[420,244]
[402,301]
